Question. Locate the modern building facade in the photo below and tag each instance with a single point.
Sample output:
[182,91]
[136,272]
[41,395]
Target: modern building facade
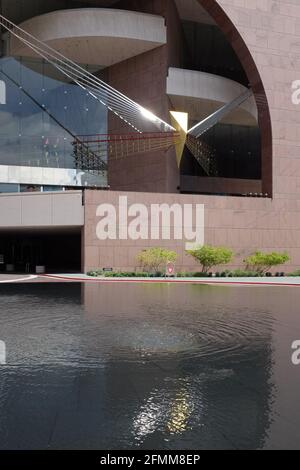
[184,56]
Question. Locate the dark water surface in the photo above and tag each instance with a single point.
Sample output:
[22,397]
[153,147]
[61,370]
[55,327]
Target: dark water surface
[149,367]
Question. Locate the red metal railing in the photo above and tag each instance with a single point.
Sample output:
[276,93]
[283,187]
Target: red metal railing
[91,150]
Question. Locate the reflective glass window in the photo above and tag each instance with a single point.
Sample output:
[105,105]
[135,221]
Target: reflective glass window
[41,113]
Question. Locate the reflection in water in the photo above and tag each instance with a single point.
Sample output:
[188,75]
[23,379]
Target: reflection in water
[181,410]
[148,366]
[161,409]
[148,418]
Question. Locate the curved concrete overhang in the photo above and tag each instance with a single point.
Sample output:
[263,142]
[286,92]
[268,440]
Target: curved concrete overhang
[190,10]
[200,94]
[96,36]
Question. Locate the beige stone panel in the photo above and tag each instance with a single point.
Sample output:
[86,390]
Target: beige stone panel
[36,210]
[10,211]
[95,36]
[42,209]
[67,209]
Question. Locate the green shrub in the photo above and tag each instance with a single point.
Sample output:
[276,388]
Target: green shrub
[109,274]
[201,274]
[126,274]
[211,256]
[225,273]
[189,274]
[181,274]
[96,273]
[261,262]
[154,258]
[242,273]
[295,273]
[184,274]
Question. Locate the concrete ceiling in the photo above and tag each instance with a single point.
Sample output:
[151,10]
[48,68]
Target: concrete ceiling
[98,3]
[191,10]
[200,94]
[200,108]
[94,36]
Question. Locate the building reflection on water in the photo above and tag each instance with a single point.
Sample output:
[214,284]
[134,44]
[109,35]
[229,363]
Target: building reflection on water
[199,361]
[148,366]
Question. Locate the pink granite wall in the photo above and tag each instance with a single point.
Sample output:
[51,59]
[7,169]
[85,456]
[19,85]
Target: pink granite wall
[244,224]
[265,34]
[248,26]
[143,79]
[210,185]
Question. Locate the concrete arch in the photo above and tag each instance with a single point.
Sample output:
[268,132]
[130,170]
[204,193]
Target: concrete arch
[234,37]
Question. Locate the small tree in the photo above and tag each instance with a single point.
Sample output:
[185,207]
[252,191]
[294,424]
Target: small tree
[262,262]
[154,258]
[210,256]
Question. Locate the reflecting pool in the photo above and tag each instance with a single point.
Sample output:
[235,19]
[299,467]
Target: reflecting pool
[153,366]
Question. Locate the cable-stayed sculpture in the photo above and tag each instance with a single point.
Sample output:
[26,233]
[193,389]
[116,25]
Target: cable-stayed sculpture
[149,132]
[123,107]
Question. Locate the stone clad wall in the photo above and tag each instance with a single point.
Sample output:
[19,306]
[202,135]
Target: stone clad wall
[143,79]
[41,210]
[270,30]
[244,224]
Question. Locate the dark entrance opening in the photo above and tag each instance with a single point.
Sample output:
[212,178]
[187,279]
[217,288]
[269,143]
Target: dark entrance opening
[57,250]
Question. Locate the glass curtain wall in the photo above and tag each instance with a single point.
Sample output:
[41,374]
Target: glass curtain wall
[207,49]
[236,148]
[236,152]
[41,113]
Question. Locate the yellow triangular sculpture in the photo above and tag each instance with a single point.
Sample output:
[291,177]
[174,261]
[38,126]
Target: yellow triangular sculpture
[180,122]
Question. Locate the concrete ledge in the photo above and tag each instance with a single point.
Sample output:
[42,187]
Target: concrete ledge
[99,36]
[9,278]
[31,210]
[201,93]
[33,175]
[239,281]
[210,185]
